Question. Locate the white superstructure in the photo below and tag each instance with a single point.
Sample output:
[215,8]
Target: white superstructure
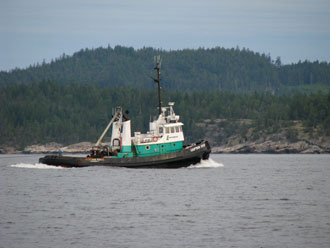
[165,129]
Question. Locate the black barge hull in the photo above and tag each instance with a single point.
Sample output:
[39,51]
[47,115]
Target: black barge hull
[190,155]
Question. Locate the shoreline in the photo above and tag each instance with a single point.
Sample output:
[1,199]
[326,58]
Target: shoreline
[268,147]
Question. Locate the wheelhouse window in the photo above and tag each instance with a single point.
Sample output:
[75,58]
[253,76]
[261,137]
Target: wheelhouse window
[167,130]
[161,130]
[177,129]
[172,130]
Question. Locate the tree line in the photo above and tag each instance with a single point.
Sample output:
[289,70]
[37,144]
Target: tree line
[235,70]
[69,113]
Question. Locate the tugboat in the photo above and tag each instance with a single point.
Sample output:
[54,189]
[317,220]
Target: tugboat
[161,147]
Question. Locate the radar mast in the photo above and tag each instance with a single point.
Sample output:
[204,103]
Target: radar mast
[158,63]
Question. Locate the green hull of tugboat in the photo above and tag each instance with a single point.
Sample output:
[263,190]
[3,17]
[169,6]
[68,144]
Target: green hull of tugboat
[190,155]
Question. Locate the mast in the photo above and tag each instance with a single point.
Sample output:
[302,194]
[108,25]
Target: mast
[157,80]
[118,114]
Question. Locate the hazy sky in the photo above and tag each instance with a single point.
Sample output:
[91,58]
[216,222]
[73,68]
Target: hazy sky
[34,30]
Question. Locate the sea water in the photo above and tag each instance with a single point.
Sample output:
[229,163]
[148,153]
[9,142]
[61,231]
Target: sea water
[228,201]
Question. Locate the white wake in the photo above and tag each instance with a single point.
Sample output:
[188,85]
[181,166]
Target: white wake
[35,166]
[209,163]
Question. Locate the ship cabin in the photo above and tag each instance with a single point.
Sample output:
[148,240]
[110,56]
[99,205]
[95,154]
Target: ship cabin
[165,135]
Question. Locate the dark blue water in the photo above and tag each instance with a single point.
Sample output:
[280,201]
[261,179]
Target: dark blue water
[252,201]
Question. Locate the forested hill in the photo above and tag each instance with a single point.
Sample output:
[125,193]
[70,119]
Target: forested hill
[43,112]
[236,70]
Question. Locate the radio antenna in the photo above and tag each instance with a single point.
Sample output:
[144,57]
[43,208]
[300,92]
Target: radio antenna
[158,63]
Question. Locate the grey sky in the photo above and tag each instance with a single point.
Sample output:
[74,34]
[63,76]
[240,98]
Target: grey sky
[33,30]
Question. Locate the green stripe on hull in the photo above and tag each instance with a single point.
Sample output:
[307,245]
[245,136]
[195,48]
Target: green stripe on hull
[158,149]
[126,149]
[125,155]
[126,152]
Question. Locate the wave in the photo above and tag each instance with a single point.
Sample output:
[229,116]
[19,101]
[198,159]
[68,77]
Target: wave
[209,163]
[35,166]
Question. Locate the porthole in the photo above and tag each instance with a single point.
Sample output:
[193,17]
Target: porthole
[147,147]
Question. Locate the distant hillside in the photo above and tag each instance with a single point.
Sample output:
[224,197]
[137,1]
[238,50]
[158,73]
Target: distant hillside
[246,136]
[40,113]
[201,69]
